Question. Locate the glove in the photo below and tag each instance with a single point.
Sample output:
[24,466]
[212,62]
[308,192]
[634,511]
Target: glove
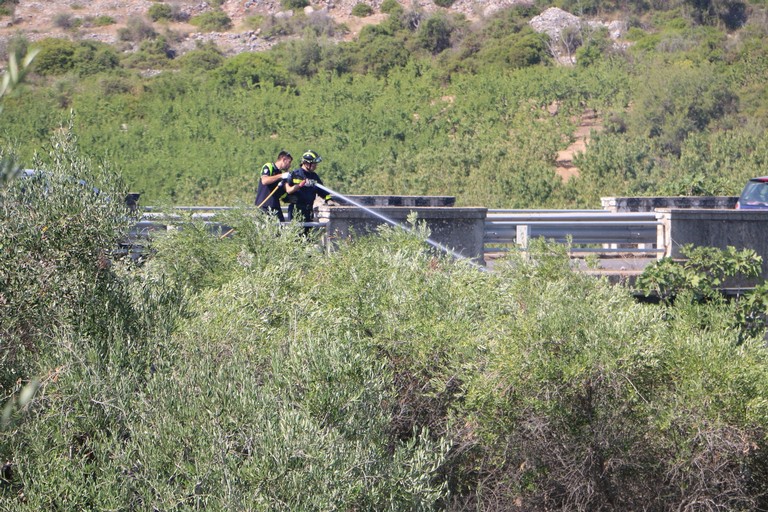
[310,183]
[331,202]
[285,175]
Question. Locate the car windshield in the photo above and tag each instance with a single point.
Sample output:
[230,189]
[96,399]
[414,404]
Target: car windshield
[756,192]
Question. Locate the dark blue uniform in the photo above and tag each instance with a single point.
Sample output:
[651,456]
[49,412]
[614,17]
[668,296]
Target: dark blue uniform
[303,199]
[272,205]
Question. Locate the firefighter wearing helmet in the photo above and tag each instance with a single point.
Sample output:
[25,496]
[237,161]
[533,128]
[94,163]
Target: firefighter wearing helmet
[302,188]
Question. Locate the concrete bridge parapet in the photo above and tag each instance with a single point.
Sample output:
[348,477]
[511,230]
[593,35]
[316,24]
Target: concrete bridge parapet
[392,200]
[649,204]
[742,229]
[461,230]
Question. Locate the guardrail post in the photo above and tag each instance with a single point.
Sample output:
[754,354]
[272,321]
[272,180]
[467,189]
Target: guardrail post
[663,240]
[522,236]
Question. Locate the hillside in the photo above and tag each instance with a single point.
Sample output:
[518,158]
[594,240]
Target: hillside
[77,20]
[653,102]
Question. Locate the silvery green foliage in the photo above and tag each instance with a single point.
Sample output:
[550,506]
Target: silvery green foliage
[12,77]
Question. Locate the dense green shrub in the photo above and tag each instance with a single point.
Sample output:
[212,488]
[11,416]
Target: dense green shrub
[250,70]
[362,10]
[392,7]
[212,21]
[673,102]
[379,50]
[434,34]
[153,53]
[273,26]
[294,4]
[205,58]
[160,11]
[103,21]
[55,275]
[92,57]
[109,85]
[59,56]
[254,21]
[56,56]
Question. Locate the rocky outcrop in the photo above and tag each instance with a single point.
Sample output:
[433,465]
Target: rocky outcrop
[566,31]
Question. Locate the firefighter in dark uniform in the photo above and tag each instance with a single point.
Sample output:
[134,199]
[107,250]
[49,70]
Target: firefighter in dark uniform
[271,184]
[302,188]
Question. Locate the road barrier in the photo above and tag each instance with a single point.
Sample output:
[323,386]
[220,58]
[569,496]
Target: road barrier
[586,231]
[596,231]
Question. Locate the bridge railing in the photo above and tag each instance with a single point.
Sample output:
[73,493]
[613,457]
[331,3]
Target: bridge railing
[595,231]
[587,231]
[156,222]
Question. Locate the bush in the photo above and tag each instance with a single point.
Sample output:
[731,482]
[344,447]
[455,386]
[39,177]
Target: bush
[362,10]
[379,54]
[56,56]
[294,4]
[678,101]
[250,70]
[212,21]
[154,54]
[434,34]
[57,275]
[110,85]
[103,21]
[136,30]
[94,57]
[391,7]
[64,20]
[254,21]
[160,11]
[320,24]
[444,3]
[205,58]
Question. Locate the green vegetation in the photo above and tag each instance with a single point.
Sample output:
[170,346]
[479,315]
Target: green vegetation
[160,11]
[391,7]
[420,104]
[212,21]
[136,29]
[258,370]
[294,4]
[103,21]
[362,10]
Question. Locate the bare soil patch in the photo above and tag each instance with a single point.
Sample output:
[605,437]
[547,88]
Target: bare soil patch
[588,122]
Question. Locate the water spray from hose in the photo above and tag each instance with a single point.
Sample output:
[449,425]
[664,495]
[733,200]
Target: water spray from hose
[386,219]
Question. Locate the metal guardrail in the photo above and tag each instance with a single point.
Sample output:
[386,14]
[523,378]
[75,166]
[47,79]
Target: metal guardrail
[154,222]
[597,231]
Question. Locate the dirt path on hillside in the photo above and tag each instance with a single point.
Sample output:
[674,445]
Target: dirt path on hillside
[589,121]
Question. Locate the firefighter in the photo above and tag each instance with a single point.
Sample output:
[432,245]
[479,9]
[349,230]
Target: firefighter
[271,184]
[302,188]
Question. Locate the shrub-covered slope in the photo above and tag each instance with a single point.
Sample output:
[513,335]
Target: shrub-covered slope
[422,104]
